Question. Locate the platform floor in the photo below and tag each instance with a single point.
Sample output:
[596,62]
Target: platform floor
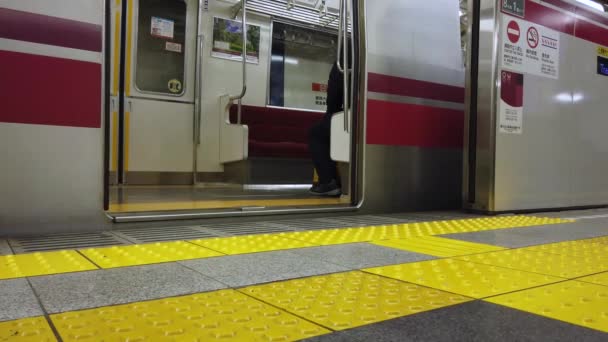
[181,197]
[411,277]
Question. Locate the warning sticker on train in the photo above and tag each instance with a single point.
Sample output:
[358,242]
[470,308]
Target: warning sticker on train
[175,86]
[511,105]
[529,48]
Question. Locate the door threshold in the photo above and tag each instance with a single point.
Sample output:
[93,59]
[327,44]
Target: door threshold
[152,216]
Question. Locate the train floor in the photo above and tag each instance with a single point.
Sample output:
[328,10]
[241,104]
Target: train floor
[393,277]
[161,198]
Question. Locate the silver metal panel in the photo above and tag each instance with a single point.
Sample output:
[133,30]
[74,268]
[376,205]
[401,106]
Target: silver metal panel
[587,125]
[486,93]
[404,178]
[561,157]
[533,170]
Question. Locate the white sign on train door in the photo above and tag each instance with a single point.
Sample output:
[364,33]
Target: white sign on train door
[529,48]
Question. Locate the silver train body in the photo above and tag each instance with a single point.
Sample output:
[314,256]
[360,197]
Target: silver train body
[408,126]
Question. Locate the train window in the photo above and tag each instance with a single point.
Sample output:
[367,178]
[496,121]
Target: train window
[161,37]
[300,64]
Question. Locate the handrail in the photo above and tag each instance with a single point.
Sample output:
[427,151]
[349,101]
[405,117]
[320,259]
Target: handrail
[347,69]
[352,66]
[244,30]
[340,33]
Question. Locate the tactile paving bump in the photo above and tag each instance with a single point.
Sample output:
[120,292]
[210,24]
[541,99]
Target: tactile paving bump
[251,243]
[225,315]
[600,279]
[122,256]
[43,263]
[26,329]
[572,301]
[437,246]
[345,300]
[465,278]
[559,265]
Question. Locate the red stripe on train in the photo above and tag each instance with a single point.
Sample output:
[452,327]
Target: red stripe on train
[49,91]
[44,29]
[414,88]
[566,22]
[403,124]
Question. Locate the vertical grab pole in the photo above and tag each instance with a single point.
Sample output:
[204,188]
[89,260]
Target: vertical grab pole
[244,89]
[340,35]
[352,66]
[347,71]
[197,94]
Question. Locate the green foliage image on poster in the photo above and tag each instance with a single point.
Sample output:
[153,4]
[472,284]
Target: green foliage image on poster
[228,40]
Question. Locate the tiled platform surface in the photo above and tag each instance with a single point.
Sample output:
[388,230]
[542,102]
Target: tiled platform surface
[389,282]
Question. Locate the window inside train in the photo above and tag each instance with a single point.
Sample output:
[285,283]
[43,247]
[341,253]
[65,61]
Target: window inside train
[161,38]
[299,68]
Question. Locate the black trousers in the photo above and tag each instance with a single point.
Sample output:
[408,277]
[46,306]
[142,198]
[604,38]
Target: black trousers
[319,135]
[319,148]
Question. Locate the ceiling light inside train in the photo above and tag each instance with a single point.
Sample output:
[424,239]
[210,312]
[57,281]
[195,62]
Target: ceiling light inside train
[593,4]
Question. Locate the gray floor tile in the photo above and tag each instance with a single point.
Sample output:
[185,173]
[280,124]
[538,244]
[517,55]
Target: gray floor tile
[4,248]
[17,300]
[522,237]
[74,291]
[361,255]
[475,321]
[249,269]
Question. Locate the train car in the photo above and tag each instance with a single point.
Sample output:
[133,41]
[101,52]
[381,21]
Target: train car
[124,111]
[131,110]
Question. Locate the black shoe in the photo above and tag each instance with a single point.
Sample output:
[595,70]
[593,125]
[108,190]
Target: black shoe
[330,189]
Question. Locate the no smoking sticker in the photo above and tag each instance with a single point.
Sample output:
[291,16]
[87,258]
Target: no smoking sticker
[532,37]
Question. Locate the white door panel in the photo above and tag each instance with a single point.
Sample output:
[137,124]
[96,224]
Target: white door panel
[340,139]
[160,136]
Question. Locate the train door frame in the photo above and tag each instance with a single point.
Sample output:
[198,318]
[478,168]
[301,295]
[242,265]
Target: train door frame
[130,97]
[358,141]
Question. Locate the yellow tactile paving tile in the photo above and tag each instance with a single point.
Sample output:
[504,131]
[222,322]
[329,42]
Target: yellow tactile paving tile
[225,315]
[251,244]
[43,263]
[588,247]
[144,254]
[437,246]
[344,235]
[26,329]
[346,300]
[599,279]
[465,278]
[572,301]
[559,265]
[407,230]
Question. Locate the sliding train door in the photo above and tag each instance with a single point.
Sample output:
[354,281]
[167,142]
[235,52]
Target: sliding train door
[199,129]
[153,135]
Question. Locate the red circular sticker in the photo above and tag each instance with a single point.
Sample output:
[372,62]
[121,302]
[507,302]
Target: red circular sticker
[513,31]
[532,37]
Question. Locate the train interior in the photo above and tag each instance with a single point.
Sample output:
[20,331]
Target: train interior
[181,137]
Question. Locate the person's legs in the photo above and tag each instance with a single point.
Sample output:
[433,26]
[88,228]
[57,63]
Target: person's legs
[319,146]
[326,168]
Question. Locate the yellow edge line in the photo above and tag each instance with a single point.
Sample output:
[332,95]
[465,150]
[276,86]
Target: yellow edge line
[126,141]
[114,141]
[116,52]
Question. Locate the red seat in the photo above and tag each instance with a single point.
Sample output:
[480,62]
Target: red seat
[277,132]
